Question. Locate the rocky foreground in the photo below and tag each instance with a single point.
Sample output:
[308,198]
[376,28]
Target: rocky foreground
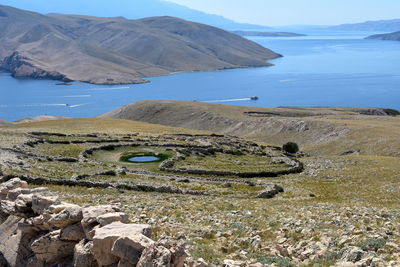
[37,229]
[341,210]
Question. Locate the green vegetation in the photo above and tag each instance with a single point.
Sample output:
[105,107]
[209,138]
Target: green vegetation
[57,150]
[372,244]
[391,112]
[279,261]
[291,147]
[228,162]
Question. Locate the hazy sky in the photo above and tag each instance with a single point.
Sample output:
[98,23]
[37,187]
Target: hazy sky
[289,12]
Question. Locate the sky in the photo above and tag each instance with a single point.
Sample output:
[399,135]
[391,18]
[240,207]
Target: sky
[296,12]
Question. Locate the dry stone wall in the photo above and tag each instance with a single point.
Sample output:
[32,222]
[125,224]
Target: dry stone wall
[37,229]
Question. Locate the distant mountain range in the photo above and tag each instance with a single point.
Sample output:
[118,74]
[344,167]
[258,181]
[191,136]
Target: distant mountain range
[117,50]
[131,9]
[395,36]
[268,34]
[378,25]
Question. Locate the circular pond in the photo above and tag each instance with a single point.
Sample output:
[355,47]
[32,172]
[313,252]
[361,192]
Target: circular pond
[144,157]
[141,159]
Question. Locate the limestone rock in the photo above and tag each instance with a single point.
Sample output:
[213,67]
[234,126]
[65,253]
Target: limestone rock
[113,217]
[164,252]
[73,232]
[90,214]
[35,262]
[40,222]
[10,185]
[105,237]
[352,254]
[23,204]
[200,263]
[232,263]
[14,244]
[3,261]
[90,231]
[13,194]
[51,249]
[130,247]
[7,207]
[155,256]
[42,202]
[67,217]
[83,256]
[57,208]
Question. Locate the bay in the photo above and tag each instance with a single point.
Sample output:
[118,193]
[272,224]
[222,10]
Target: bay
[322,69]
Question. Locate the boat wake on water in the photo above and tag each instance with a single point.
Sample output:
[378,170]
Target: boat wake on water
[232,100]
[78,105]
[75,96]
[109,88]
[49,105]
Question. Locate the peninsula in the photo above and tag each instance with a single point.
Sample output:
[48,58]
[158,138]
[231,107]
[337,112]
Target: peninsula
[117,50]
[395,36]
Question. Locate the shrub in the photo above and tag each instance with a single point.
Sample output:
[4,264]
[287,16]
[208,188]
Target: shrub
[372,244]
[391,112]
[291,147]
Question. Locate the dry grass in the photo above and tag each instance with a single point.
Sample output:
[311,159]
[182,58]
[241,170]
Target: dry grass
[353,190]
[109,126]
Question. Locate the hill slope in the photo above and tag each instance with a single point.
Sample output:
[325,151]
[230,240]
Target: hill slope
[117,50]
[378,25]
[317,130]
[395,36]
[128,9]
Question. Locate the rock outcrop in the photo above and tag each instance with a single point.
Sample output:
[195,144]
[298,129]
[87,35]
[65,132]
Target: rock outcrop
[37,229]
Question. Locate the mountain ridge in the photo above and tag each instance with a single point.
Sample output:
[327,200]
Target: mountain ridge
[129,9]
[373,25]
[117,50]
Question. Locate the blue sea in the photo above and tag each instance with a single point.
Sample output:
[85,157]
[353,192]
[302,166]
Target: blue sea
[322,69]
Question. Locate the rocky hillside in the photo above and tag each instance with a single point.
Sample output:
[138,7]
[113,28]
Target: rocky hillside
[341,210]
[117,50]
[321,130]
[395,36]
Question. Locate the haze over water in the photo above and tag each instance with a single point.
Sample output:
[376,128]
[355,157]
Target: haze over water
[335,69]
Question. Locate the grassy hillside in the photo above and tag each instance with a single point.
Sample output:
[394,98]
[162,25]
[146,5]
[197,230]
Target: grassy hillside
[318,130]
[337,203]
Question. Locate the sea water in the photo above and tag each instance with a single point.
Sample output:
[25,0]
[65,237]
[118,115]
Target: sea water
[322,69]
